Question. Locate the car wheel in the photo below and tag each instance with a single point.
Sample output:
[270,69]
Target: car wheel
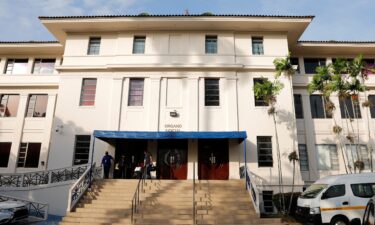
[339,221]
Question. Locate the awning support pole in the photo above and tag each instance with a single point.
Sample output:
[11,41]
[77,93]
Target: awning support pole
[92,160]
[245,159]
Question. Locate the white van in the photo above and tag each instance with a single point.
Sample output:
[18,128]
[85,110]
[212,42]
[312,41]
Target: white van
[337,200]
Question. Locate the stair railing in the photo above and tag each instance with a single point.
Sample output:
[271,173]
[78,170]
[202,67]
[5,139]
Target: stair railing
[82,184]
[37,211]
[194,210]
[136,196]
[252,189]
[45,177]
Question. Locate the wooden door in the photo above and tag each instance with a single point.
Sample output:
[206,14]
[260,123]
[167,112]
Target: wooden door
[172,159]
[213,159]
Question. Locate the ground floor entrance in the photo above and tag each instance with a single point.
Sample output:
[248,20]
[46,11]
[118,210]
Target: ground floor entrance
[213,159]
[172,159]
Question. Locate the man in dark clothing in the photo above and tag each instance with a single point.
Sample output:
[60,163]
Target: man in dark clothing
[122,167]
[147,163]
[106,163]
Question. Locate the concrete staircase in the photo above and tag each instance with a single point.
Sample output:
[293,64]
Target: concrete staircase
[167,202]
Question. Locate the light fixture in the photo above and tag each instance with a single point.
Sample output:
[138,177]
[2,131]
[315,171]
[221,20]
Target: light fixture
[173,113]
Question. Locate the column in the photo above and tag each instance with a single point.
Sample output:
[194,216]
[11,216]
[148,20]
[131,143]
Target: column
[193,104]
[50,114]
[3,63]
[115,104]
[231,103]
[154,103]
[192,158]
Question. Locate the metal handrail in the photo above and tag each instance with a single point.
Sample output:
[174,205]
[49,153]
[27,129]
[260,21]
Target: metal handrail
[194,210]
[135,200]
[81,185]
[37,210]
[43,177]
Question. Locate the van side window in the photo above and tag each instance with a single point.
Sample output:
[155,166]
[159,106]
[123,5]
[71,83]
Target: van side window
[363,190]
[335,191]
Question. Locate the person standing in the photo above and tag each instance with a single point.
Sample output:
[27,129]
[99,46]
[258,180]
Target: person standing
[106,163]
[147,162]
[122,167]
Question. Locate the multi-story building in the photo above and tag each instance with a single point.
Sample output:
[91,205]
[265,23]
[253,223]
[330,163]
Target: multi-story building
[180,87]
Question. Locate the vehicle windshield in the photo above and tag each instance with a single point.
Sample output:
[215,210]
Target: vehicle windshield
[313,190]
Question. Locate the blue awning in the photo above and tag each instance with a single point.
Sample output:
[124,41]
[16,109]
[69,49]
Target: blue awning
[108,135]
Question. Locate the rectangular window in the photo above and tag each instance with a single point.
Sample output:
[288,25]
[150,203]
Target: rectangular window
[81,149]
[295,62]
[94,46]
[298,106]
[349,107]
[28,156]
[364,190]
[139,44]
[136,89]
[267,201]
[371,99]
[303,157]
[211,44]
[16,66]
[351,152]
[318,107]
[37,106]
[211,92]
[264,146]
[9,105]
[44,66]
[88,92]
[4,153]
[327,157]
[257,45]
[259,101]
[312,63]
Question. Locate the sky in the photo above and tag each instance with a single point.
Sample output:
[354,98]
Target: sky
[334,19]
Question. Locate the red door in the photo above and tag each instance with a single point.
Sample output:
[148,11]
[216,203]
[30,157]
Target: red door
[213,159]
[172,159]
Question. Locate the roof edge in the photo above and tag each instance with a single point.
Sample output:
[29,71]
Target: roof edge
[29,42]
[334,42]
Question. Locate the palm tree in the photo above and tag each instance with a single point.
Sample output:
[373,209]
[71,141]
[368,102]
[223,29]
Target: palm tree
[293,157]
[268,92]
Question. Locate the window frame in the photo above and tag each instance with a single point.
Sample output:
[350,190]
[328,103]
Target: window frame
[211,102]
[211,44]
[259,102]
[293,60]
[3,158]
[94,47]
[13,62]
[3,115]
[83,94]
[26,152]
[264,163]
[31,114]
[76,143]
[136,42]
[355,193]
[303,157]
[354,109]
[298,111]
[323,101]
[334,163]
[335,196]
[130,95]
[257,45]
[371,99]
[320,62]
[38,65]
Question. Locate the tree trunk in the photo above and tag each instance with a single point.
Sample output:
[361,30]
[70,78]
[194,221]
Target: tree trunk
[291,196]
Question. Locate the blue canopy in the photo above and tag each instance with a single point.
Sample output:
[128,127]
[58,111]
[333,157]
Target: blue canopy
[106,135]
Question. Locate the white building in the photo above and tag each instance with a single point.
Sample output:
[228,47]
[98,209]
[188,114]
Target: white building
[169,75]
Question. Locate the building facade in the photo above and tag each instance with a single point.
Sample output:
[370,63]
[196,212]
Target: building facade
[165,75]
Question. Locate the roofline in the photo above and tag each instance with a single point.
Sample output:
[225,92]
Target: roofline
[334,42]
[175,15]
[29,42]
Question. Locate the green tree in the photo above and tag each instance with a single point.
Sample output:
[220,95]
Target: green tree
[293,157]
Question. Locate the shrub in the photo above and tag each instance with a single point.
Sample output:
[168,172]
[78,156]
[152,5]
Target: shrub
[277,197]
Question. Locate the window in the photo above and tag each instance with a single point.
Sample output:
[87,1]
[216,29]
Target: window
[88,92]
[318,107]
[44,66]
[37,106]
[298,106]
[16,66]
[351,152]
[295,62]
[94,46]
[368,61]
[363,190]
[136,88]
[334,191]
[347,106]
[81,149]
[28,156]
[9,105]
[139,45]
[211,44]
[4,153]
[259,101]
[327,157]
[303,157]
[257,45]
[211,92]
[264,145]
[267,201]
[311,64]
[371,99]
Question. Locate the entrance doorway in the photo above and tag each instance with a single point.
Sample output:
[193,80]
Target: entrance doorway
[213,159]
[172,159]
[132,149]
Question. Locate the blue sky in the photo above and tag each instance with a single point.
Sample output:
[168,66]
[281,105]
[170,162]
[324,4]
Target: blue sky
[335,19]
